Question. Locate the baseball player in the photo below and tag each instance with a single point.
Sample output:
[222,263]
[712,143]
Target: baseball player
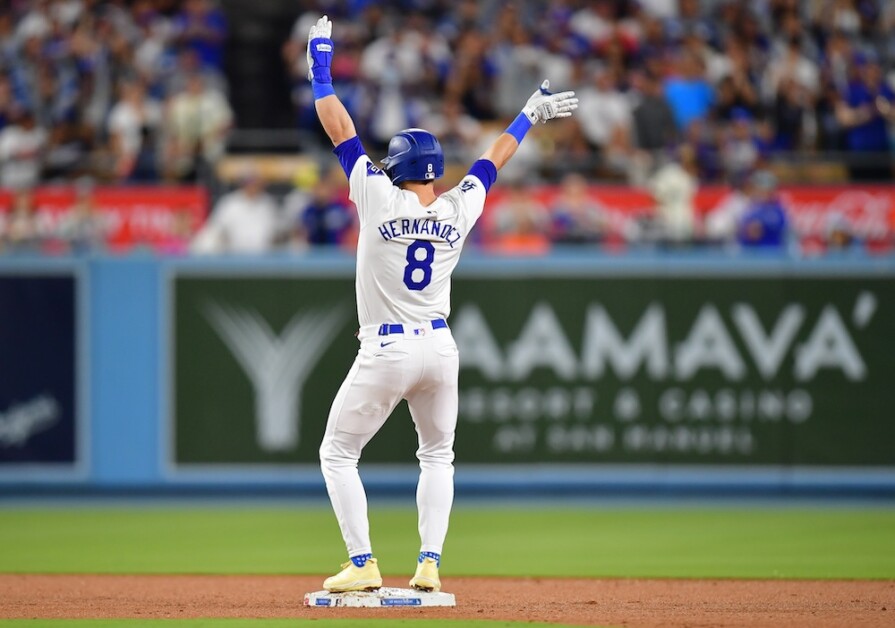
[409,243]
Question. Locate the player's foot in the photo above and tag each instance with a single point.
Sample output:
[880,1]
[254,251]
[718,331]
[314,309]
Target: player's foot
[426,578]
[354,578]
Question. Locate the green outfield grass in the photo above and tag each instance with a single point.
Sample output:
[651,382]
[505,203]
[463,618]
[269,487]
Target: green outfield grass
[587,542]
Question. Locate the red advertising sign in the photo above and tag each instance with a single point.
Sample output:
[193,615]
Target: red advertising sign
[868,210]
[166,218]
[163,218]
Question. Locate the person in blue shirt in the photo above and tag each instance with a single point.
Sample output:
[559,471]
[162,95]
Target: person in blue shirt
[326,219]
[202,27]
[689,93]
[864,111]
[764,223]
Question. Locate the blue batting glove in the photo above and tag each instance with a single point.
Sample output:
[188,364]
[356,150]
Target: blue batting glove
[320,51]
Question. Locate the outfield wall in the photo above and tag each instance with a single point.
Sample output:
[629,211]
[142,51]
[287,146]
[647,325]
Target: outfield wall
[579,373]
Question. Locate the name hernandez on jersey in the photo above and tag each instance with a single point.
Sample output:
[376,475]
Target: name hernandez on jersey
[407,252]
[419,226]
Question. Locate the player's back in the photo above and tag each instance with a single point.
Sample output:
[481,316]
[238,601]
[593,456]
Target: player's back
[407,251]
[406,254]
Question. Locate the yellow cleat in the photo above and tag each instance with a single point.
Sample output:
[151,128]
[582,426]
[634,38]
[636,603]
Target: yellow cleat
[354,578]
[426,578]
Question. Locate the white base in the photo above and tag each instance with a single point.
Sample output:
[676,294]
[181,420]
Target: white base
[386,596]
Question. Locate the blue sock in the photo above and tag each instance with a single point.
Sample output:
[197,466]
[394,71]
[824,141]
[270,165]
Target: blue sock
[361,559]
[433,555]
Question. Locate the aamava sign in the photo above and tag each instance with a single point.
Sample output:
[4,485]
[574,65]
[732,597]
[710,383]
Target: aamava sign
[657,370]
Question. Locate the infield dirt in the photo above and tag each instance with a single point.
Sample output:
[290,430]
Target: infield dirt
[627,602]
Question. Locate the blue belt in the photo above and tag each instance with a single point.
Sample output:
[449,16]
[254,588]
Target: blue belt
[397,328]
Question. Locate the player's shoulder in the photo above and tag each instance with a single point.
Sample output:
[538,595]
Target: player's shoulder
[470,183]
[468,193]
[371,169]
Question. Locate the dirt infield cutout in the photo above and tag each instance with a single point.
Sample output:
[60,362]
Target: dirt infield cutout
[628,602]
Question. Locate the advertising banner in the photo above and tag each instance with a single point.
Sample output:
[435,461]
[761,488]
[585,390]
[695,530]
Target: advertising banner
[162,217]
[38,393]
[868,210]
[676,370]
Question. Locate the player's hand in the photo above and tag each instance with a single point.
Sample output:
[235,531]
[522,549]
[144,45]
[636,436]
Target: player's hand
[320,51]
[543,105]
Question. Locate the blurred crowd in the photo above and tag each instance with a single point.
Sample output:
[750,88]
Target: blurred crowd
[525,220]
[674,94]
[738,81]
[118,91]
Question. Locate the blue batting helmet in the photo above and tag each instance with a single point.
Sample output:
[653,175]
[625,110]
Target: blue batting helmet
[414,155]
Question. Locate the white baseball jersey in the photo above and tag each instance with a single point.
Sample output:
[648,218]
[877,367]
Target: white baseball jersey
[406,252]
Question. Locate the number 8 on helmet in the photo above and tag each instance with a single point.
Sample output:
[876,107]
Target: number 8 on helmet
[414,155]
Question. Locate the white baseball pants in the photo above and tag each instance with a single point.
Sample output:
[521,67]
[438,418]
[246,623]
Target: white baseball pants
[420,365]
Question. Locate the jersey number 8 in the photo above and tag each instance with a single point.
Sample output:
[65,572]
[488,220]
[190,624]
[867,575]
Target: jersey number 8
[414,263]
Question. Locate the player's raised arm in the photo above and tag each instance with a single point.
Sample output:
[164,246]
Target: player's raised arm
[332,113]
[542,106]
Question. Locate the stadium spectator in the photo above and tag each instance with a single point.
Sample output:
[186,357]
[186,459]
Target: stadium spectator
[702,140]
[519,61]
[20,232]
[246,220]
[188,64]
[654,126]
[201,27]
[722,221]
[576,218]
[735,90]
[742,149]
[794,123]
[793,66]
[8,42]
[133,128]
[304,181]
[8,106]
[81,228]
[674,187]
[22,147]
[764,224]
[839,236]
[662,9]
[152,54]
[327,219]
[519,224]
[605,113]
[471,76]
[687,90]
[864,112]
[595,23]
[197,123]
[689,19]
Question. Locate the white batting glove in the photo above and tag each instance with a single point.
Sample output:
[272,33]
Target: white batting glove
[543,105]
[320,51]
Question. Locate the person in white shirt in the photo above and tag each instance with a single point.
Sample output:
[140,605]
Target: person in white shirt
[674,187]
[246,220]
[133,123]
[22,147]
[196,125]
[409,243]
[722,221]
[605,110]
